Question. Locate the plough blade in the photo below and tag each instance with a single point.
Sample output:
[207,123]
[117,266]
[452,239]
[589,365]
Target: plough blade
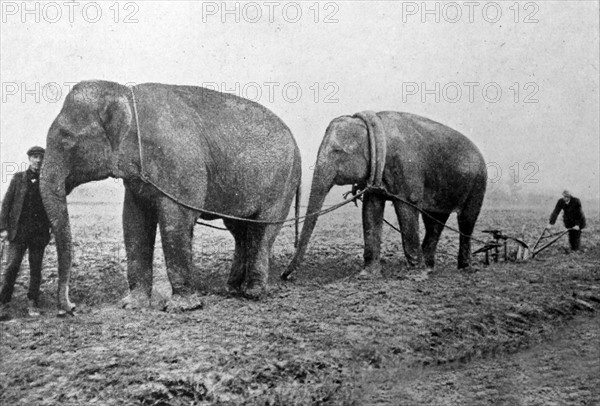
[523,250]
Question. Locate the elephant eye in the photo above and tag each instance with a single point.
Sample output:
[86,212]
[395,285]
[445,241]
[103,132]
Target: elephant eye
[67,138]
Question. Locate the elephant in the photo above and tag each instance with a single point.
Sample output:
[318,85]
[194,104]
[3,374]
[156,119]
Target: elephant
[422,166]
[183,153]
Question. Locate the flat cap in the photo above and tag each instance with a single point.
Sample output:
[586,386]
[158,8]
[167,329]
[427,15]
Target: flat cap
[35,150]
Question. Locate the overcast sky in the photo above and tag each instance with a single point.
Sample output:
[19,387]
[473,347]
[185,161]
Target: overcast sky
[519,79]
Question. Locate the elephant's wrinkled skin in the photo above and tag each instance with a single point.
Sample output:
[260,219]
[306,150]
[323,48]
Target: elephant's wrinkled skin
[428,164]
[205,149]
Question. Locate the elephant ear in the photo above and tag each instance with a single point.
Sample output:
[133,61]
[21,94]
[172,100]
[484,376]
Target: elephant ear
[116,119]
[170,142]
[377,146]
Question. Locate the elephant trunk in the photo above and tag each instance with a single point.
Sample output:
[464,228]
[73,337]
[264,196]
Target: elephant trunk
[54,196]
[323,181]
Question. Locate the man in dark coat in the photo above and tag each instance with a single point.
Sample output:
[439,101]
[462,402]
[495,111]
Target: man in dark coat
[573,218]
[23,221]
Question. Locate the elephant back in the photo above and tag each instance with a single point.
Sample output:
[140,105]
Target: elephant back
[196,142]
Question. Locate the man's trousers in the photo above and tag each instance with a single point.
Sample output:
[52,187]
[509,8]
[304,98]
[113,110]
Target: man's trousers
[15,254]
[575,239]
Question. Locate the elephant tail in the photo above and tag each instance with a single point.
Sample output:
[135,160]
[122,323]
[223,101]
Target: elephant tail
[297,213]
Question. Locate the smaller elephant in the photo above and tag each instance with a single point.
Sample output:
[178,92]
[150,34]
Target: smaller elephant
[432,168]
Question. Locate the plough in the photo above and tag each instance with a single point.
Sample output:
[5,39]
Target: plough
[499,240]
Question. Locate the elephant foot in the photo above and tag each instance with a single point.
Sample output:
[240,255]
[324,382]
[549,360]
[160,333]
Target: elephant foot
[180,304]
[182,289]
[33,310]
[159,301]
[285,276]
[68,310]
[464,264]
[136,299]
[234,284]
[5,313]
[161,295]
[421,276]
[470,269]
[256,292]
[63,313]
[413,264]
[233,289]
[372,271]
[66,307]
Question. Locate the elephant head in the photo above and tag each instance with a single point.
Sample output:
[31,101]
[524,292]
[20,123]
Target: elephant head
[346,157]
[82,146]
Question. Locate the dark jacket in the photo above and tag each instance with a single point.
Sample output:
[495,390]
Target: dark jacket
[23,214]
[572,213]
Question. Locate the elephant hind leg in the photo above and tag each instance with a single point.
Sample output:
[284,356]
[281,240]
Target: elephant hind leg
[466,224]
[434,225]
[253,244]
[238,268]
[177,229]
[257,256]
[260,240]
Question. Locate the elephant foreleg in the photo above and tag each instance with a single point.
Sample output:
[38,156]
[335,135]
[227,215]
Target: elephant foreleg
[434,224]
[257,259]
[408,218]
[139,230]
[176,230]
[372,216]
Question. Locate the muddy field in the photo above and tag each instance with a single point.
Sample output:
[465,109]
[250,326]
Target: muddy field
[508,334]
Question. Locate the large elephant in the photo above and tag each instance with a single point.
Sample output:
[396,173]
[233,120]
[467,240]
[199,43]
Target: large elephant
[430,167]
[183,153]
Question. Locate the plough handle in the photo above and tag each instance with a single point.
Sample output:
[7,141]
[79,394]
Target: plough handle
[533,254]
[539,239]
